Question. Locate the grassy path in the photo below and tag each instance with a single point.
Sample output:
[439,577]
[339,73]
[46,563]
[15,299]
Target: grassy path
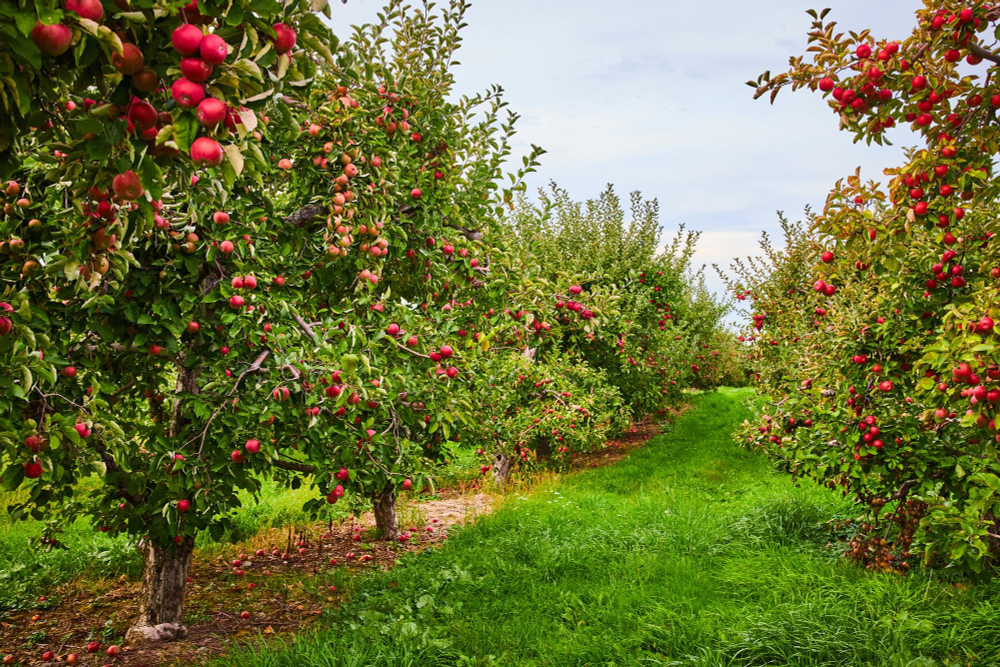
[690,552]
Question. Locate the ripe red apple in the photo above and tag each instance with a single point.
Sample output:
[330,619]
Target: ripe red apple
[187,93]
[93,647]
[183,506]
[142,114]
[155,350]
[5,326]
[206,152]
[186,39]
[237,456]
[33,469]
[211,111]
[251,283]
[253,446]
[245,615]
[114,650]
[279,281]
[82,430]
[130,61]
[146,81]
[192,327]
[446,351]
[452,372]
[213,49]
[392,329]
[69,371]
[226,248]
[416,193]
[407,484]
[52,39]
[34,443]
[88,9]
[219,217]
[72,659]
[195,69]
[127,186]
[284,40]
[236,301]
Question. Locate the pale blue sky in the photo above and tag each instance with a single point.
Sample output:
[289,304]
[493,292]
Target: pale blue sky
[651,96]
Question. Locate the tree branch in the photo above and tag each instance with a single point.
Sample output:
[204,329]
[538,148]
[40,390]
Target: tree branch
[294,467]
[905,489]
[306,327]
[985,54]
[470,234]
[403,347]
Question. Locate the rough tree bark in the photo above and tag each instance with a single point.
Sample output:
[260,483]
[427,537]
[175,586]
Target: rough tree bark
[502,463]
[161,602]
[385,513]
[543,449]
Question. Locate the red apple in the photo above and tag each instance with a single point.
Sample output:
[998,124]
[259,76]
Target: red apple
[142,114]
[146,81]
[127,186]
[130,61]
[213,49]
[52,39]
[183,506]
[88,9]
[211,111]
[206,152]
[284,40]
[33,469]
[195,69]
[187,93]
[186,39]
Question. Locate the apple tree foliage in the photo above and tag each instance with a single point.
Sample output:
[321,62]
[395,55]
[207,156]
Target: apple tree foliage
[874,336]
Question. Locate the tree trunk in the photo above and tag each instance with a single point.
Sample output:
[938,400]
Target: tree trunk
[502,463]
[543,450]
[161,602]
[385,513]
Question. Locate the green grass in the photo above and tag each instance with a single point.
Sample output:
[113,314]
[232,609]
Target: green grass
[28,570]
[690,552]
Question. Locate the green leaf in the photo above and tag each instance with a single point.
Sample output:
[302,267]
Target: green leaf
[185,130]
[13,476]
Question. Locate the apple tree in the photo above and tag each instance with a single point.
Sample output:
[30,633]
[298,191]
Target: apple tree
[176,324]
[875,334]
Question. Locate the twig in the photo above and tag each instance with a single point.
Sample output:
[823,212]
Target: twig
[254,367]
[306,327]
[403,347]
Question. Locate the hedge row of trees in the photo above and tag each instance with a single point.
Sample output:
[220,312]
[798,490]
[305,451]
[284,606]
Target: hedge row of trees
[234,247]
[874,337]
